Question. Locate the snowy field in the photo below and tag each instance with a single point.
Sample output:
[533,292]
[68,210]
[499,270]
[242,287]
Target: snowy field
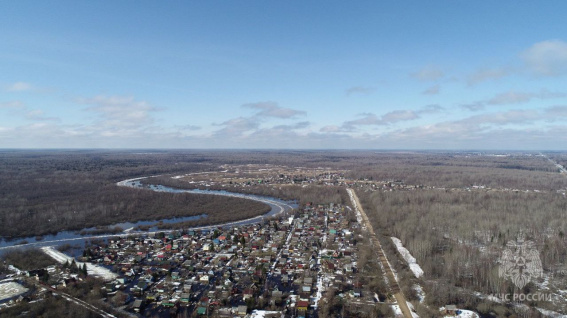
[93,270]
[11,289]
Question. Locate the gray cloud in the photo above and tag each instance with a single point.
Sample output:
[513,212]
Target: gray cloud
[512,97]
[332,129]
[395,116]
[429,73]
[556,111]
[433,90]
[11,105]
[486,74]
[431,109]
[360,90]
[188,127]
[475,106]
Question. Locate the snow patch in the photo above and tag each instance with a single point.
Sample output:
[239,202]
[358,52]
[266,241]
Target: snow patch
[462,313]
[549,313]
[92,269]
[420,293]
[262,313]
[11,289]
[414,266]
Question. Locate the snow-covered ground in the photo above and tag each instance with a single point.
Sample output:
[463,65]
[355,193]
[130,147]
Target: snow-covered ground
[92,269]
[356,208]
[549,313]
[321,277]
[398,311]
[463,313]
[11,289]
[420,292]
[13,269]
[414,266]
[261,313]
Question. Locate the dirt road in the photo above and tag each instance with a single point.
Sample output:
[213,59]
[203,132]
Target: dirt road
[394,287]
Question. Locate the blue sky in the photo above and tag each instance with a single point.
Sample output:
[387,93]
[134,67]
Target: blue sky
[283,74]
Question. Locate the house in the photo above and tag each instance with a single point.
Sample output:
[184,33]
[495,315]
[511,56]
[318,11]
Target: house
[277,294]
[241,311]
[302,305]
[357,293]
[451,310]
[306,290]
[248,293]
[202,311]
[137,306]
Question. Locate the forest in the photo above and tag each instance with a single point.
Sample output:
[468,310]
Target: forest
[455,213]
[458,237]
[46,192]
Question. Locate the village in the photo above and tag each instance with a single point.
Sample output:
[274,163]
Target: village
[282,267]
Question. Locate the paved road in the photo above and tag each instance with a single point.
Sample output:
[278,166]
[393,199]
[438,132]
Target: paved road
[394,287]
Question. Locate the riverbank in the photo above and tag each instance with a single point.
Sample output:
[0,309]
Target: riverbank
[276,207]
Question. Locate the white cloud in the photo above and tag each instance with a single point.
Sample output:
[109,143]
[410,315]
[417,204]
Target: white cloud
[119,112]
[331,129]
[369,119]
[272,109]
[547,58]
[18,87]
[236,127]
[429,73]
[19,109]
[39,115]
